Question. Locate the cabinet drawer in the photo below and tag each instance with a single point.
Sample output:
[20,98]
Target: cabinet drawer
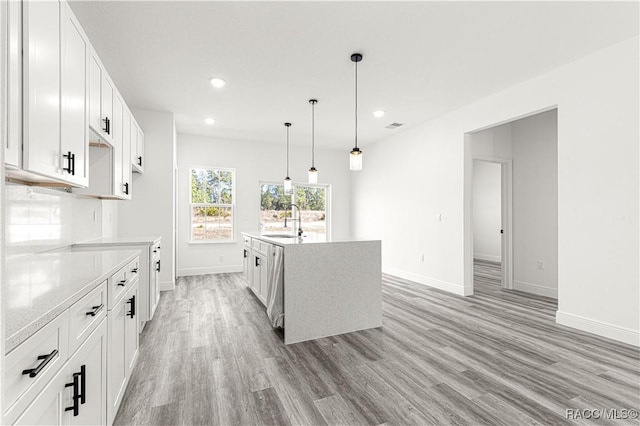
[30,366]
[85,315]
[260,246]
[121,280]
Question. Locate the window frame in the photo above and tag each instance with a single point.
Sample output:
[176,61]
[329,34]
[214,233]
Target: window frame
[327,199]
[231,240]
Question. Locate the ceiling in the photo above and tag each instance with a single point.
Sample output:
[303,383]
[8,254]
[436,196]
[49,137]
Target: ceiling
[421,59]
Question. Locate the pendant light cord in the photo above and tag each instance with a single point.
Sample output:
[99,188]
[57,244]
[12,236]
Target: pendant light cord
[356,137]
[313,135]
[288,125]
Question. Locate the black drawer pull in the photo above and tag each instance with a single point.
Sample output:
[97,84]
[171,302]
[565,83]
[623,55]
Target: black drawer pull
[122,283]
[132,301]
[46,359]
[158,266]
[134,270]
[257,261]
[96,310]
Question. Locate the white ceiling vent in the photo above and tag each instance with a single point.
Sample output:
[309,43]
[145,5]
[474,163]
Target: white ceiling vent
[394,126]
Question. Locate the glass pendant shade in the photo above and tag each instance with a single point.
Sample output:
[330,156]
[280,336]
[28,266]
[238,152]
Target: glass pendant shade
[313,175]
[288,185]
[355,160]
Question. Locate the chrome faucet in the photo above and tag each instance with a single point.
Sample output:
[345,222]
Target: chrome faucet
[299,220]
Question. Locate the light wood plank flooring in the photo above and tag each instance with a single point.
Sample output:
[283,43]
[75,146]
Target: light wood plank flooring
[498,358]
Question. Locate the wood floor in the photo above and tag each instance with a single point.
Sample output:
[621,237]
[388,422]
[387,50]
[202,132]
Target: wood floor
[498,358]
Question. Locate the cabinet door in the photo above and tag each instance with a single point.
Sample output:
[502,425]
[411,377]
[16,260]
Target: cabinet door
[13,149]
[116,363]
[74,124]
[48,407]
[126,153]
[264,280]
[95,94]
[131,329]
[107,98]
[118,109]
[140,149]
[154,287]
[41,79]
[134,143]
[90,362]
[246,265]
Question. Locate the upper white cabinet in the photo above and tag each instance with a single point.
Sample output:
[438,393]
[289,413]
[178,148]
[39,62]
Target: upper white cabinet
[53,137]
[41,47]
[137,148]
[126,153]
[101,101]
[13,148]
[74,126]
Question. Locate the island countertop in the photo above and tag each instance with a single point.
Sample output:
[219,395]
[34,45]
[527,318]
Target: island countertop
[39,287]
[291,241]
[119,241]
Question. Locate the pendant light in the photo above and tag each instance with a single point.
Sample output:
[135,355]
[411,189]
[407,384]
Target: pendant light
[355,156]
[313,172]
[288,185]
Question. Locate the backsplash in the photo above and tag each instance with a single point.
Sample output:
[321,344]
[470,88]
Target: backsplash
[39,219]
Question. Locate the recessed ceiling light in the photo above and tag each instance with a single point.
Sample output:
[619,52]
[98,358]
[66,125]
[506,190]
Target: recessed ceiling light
[379,113]
[217,82]
[210,121]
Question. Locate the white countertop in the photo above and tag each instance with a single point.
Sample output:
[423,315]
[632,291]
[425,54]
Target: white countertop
[120,241]
[296,241]
[39,287]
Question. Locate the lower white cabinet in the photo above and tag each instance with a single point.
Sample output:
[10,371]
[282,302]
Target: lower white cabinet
[123,347]
[76,395]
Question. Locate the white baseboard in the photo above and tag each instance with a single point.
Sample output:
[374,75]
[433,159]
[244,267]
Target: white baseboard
[460,290]
[540,290]
[489,257]
[187,272]
[167,285]
[614,332]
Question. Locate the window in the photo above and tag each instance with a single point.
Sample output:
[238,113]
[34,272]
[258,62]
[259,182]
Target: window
[312,200]
[212,211]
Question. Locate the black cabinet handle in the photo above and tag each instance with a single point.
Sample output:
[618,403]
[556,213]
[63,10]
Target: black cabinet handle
[122,283]
[140,161]
[83,383]
[71,168]
[125,188]
[107,125]
[134,270]
[132,301]
[246,253]
[96,309]
[79,381]
[46,359]
[158,266]
[257,261]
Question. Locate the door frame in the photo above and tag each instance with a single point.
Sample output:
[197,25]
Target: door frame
[506,219]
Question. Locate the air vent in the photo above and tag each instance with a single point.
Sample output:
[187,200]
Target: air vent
[394,126]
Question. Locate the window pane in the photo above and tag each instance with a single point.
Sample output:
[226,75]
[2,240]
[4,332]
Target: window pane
[275,205]
[198,223]
[226,186]
[312,203]
[219,223]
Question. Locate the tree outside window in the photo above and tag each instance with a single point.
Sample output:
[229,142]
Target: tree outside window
[212,204]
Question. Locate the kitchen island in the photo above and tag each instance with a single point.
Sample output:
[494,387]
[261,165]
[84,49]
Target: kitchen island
[328,288]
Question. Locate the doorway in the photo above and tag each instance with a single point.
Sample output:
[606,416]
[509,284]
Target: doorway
[488,227]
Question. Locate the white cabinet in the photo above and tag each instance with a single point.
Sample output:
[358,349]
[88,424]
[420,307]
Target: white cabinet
[118,148]
[137,148]
[259,276]
[42,88]
[48,407]
[101,101]
[74,126]
[154,280]
[123,347]
[54,97]
[127,187]
[13,148]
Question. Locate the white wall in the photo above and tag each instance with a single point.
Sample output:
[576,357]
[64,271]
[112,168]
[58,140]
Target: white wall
[254,162]
[150,212]
[535,204]
[598,190]
[487,211]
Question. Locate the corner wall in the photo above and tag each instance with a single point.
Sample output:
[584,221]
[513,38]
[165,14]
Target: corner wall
[598,190]
[150,212]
